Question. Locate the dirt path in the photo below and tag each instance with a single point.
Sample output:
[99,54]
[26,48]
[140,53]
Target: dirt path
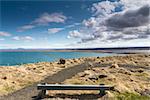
[29,93]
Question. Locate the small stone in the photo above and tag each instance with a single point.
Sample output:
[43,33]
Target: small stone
[102,60]
[111,79]
[128,73]
[140,71]
[98,57]
[93,77]
[43,68]
[34,68]
[123,71]
[131,80]
[13,82]
[71,62]
[82,74]
[135,62]
[4,78]
[114,66]
[102,76]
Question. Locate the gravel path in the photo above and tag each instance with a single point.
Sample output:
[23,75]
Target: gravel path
[29,93]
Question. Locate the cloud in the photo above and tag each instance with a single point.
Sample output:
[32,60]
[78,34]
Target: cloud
[54,30]
[74,34]
[2,33]
[25,38]
[44,19]
[25,27]
[108,25]
[133,4]
[73,25]
[133,18]
[104,8]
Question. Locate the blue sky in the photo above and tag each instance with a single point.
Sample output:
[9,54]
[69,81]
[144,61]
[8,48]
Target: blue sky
[68,24]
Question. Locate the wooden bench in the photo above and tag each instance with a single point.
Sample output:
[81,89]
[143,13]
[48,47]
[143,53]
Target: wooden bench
[45,87]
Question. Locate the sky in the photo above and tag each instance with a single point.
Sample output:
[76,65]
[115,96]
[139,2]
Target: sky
[74,23]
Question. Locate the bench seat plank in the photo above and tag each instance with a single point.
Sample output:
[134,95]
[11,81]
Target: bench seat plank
[72,87]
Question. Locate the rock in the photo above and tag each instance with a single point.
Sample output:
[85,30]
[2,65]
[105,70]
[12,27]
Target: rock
[114,66]
[112,79]
[102,60]
[131,80]
[140,70]
[135,62]
[93,77]
[13,82]
[102,76]
[123,71]
[98,57]
[4,78]
[34,68]
[71,62]
[62,61]
[82,74]
[93,70]
[137,70]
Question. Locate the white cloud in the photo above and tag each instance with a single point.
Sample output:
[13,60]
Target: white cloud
[25,27]
[23,38]
[105,25]
[54,30]
[73,25]
[2,33]
[46,18]
[134,4]
[91,22]
[104,8]
[74,34]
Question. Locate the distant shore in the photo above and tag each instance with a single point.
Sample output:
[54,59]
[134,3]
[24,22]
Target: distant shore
[13,78]
[122,50]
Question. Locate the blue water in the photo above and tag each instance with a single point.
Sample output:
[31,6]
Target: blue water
[17,58]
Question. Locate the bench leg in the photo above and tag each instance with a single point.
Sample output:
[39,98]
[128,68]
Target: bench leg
[41,95]
[102,92]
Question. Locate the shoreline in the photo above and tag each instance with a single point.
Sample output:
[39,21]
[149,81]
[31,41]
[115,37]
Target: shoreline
[15,78]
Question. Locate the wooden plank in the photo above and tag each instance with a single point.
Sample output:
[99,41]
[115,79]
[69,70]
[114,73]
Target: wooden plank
[73,87]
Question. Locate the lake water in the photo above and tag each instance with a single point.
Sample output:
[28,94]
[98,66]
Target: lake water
[17,58]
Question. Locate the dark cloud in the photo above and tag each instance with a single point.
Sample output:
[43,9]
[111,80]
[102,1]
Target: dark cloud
[132,18]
